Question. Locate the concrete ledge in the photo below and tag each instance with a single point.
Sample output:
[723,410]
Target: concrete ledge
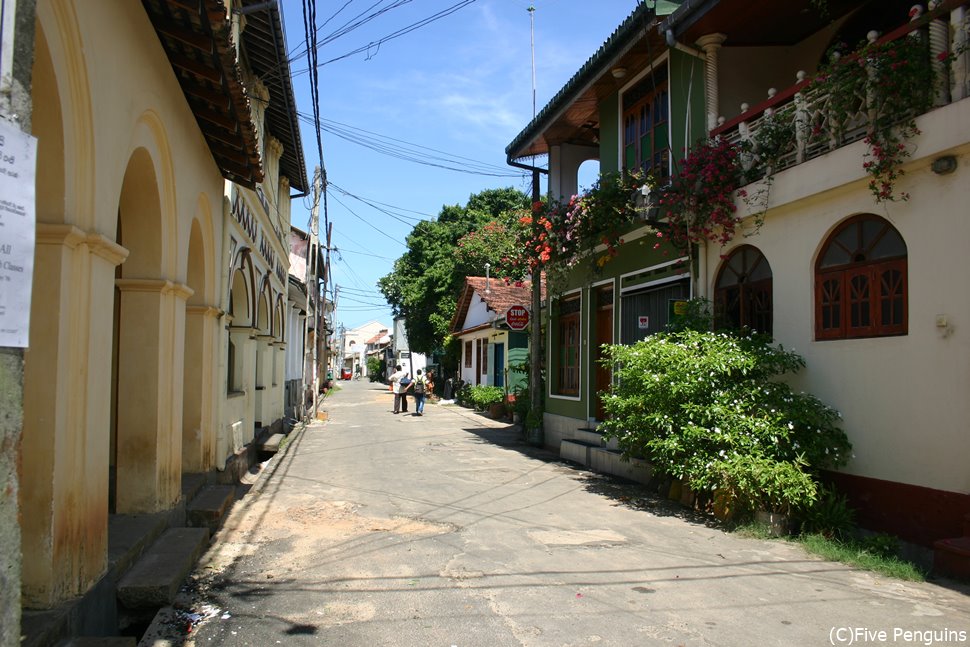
[589,437]
[951,557]
[155,579]
[208,508]
[272,444]
[610,461]
[573,451]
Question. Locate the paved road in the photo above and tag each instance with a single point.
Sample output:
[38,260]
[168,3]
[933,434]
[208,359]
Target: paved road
[381,529]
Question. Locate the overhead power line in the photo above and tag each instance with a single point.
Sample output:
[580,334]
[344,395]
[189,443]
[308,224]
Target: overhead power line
[408,151]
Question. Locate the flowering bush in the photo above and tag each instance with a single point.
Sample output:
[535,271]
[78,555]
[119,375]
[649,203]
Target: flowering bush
[497,243]
[558,236]
[708,408]
[699,202]
[891,83]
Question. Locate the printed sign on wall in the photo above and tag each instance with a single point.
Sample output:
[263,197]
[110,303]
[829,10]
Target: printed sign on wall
[18,155]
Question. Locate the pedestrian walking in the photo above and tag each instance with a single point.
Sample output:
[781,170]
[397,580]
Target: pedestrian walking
[420,392]
[405,384]
[395,380]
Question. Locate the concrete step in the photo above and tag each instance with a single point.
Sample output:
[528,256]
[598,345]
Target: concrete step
[611,461]
[209,507]
[191,484]
[95,641]
[951,557]
[576,451]
[589,436]
[155,579]
[272,444]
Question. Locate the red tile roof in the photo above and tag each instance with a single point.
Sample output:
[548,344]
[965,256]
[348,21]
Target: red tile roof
[499,299]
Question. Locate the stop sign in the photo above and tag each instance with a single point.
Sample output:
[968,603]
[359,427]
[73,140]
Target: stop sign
[517,318]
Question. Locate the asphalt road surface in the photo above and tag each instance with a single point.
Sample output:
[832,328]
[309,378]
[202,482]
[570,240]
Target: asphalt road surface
[377,529]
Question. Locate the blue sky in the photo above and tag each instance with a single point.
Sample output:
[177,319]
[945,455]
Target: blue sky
[461,85]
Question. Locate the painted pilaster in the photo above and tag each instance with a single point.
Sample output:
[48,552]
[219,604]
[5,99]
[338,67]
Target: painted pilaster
[198,410]
[150,347]
[65,457]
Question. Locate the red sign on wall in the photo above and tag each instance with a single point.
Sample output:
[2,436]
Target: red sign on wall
[517,318]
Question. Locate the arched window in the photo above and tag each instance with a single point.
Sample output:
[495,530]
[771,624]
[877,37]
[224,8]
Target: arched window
[860,281]
[742,293]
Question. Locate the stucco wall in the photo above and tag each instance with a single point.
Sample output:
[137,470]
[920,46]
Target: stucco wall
[904,399]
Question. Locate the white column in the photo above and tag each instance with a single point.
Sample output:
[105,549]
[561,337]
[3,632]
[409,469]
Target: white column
[710,44]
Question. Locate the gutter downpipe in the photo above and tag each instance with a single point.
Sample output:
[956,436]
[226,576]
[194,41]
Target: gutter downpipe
[535,330]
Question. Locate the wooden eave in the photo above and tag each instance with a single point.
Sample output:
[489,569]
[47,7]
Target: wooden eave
[197,38]
[572,116]
[264,46]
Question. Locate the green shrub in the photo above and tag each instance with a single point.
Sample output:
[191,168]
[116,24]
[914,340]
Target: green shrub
[481,396]
[830,516]
[880,545]
[375,369]
[707,408]
[463,396]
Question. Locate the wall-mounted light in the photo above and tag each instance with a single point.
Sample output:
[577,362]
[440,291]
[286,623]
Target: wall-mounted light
[618,72]
[944,165]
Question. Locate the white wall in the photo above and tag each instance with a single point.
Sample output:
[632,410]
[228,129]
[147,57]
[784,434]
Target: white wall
[904,399]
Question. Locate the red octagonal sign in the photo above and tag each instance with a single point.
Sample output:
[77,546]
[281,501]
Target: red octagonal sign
[517,317]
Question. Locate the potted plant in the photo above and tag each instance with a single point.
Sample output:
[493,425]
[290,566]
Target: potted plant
[769,487]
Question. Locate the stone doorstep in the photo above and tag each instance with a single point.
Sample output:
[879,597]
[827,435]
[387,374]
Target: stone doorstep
[575,451]
[156,577]
[589,437]
[272,444]
[951,557]
[191,484]
[209,507]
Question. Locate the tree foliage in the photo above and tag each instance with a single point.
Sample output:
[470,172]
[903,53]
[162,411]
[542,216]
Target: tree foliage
[428,278]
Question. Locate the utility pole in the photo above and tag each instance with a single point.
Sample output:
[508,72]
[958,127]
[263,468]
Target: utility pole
[535,332]
[325,340]
[312,289]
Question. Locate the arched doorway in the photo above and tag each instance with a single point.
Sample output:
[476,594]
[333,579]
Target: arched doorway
[138,443]
[197,445]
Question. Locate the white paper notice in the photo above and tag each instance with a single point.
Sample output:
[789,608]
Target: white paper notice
[18,156]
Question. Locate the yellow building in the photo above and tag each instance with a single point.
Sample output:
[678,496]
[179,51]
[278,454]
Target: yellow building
[168,149]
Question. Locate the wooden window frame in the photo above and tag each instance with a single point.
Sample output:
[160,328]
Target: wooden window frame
[468,354]
[569,347]
[842,309]
[646,112]
[748,291]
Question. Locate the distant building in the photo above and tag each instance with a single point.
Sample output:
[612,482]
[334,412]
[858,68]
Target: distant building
[491,353]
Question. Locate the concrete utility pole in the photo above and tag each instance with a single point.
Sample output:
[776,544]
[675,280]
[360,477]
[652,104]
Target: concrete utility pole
[325,340]
[16,63]
[312,289]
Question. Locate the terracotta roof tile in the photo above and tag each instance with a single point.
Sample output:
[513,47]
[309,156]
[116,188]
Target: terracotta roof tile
[499,299]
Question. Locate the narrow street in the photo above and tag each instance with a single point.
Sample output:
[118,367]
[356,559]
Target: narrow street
[445,530]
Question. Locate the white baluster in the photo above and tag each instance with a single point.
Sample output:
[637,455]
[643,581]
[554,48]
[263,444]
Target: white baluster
[744,137]
[960,21]
[939,46]
[801,121]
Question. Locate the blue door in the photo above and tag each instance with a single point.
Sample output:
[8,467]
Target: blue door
[499,364]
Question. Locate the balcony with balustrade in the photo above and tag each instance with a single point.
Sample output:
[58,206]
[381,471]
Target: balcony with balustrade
[861,113]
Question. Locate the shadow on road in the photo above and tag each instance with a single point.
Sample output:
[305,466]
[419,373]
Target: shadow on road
[622,492]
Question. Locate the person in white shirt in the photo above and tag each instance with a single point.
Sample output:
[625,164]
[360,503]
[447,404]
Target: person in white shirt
[399,397]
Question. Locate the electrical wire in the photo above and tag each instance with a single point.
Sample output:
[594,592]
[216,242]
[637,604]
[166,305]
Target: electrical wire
[409,151]
[371,225]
